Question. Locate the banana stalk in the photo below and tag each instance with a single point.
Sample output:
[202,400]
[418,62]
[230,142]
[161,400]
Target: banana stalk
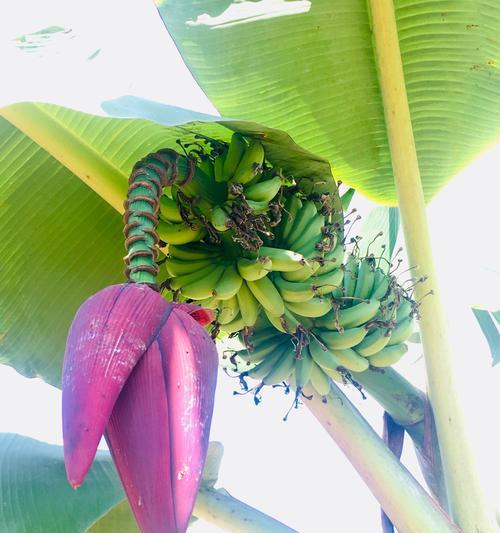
[468,507]
[406,503]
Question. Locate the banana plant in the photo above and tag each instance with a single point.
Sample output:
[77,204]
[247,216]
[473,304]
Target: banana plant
[400,103]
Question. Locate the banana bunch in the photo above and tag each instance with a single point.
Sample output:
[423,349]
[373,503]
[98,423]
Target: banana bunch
[369,321]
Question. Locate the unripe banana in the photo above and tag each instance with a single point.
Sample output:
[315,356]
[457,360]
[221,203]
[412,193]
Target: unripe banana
[261,334]
[286,323]
[282,369]
[229,283]
[228,310]
[193,252]
[381,284]
[323,356]
[179,233]
[237,148]
[303,273]
[303,369]
[302,220]
[388,355]
[203,288]
[349,359]
[336,340]
[292,206]
[319,380]
[314,307]
[220,219]
[250,163]
[350,277]
[402,332]
[180,281]
[178,267]
[292,291]
[253,269]
[260,352]
[258,207]
[233,326]
[169,210]
[283,260]
[373,342]
[327,283]
[358,314]
[207,167]
[267,295]
[219,168]
[334,374]
[267,364]
[249,306]
[311,234]
[332,260]
[404,309]
[365,279]
[264,191]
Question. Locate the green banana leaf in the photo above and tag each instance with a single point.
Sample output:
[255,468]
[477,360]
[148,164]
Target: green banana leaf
[309,67]
[35,496]
[490,330]
[59,241]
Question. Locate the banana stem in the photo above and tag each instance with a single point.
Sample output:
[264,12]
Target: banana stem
[465,495]
[102,177]
[221,509]
[406,503]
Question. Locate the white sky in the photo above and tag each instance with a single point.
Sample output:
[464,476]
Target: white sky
[291,470]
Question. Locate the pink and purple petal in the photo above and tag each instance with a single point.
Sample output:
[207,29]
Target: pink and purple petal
[109,334]
[138,434]
[190,367]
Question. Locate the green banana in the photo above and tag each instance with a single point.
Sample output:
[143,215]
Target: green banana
[267,295]
[169,210]
[179,281]
[261,334]
[233,326]
[228,310]
[237,148]
[314,307]
[219,168]
[193,252]
[282,369]
[402,332]
[253,269]
[336,340]
[283,260]
[373,342]
[323,356]
[332,260]
[292,206]
[328,282]
[404,309]
[349,359]
[319,380]
[249,306]
[264,191]
[258,207]
[178,267]
[303,273]
[229,283]
[250,163]
[292,291]
[350,277]
[204,287]
[179,233]
[267,364]
[358,314]
[207,167]
[302,220]
[381,284]
[334,374]
[261,351]
[209,303]
[220,219]
[311,233]
[286,323]
[303,369]
[388,355]
[365,279]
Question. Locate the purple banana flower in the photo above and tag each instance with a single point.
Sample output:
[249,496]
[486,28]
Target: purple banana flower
[141,371]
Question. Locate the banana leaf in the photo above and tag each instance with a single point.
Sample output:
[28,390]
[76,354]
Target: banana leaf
[309,67]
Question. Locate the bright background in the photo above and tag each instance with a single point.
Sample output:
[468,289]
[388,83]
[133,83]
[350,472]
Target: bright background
[290,470]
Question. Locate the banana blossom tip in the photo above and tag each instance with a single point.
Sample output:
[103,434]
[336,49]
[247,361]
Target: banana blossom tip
[141,371]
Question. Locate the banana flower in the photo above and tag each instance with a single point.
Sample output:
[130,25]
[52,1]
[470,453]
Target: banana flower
[142,372]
